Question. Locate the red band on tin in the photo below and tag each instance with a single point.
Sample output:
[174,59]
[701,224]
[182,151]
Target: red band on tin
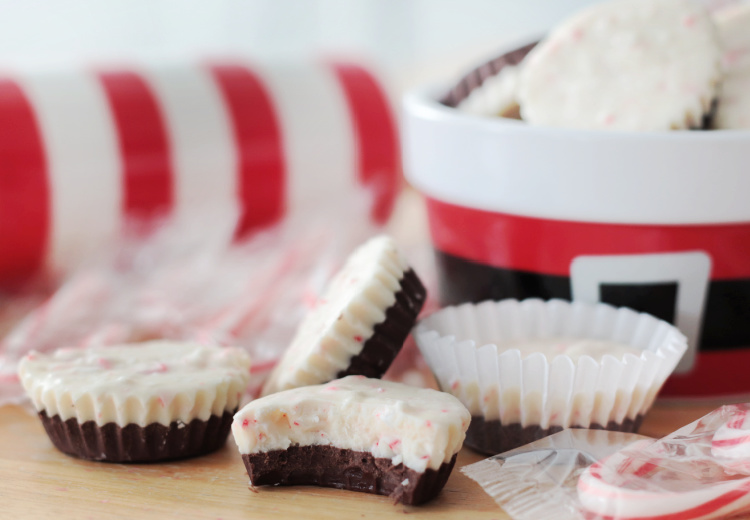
[144,145]
[24,188]
[714,373]
[550,246]
[258,141]
[377,139]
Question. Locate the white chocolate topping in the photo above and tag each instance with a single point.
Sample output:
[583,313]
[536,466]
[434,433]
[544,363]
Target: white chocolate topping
[488,402]
[643,65]
[733,108]
[344,318]
[733,24]
[574,348]
[496,96]
[420,427]
[153,382]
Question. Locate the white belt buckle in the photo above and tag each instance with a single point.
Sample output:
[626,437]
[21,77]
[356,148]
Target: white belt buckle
[689,270]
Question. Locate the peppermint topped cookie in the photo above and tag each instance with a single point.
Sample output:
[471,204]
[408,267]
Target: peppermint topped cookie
[625,65]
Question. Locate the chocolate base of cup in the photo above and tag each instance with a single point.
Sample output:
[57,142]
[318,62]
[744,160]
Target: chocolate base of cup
[328,466]
[132,443]
[493,437]
[379,351]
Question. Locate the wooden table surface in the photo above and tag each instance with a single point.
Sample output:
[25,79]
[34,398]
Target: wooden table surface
[38,482]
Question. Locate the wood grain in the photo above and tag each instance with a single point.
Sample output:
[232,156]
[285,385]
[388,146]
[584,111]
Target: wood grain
[39,482]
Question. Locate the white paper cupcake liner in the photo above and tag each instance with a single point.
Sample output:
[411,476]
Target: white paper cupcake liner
[460,344]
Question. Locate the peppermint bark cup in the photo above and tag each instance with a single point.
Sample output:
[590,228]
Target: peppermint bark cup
[528,369]
[353,433]
[146,402]
[358,325]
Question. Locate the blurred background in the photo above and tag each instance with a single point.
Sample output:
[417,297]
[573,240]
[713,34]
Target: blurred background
[119,109]
[414,40]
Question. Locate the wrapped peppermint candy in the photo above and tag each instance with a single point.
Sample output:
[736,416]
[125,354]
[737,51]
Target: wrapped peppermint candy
[699,472]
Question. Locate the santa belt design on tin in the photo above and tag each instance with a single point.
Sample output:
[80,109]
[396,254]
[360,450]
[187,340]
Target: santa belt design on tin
[486,255]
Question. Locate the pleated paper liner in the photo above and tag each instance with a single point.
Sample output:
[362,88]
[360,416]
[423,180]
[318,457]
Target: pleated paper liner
[514,401]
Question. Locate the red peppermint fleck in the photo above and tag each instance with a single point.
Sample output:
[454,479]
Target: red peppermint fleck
[309,299]
[9,378]
[358,338]
[161,402]
[444,411]
[380,390]
[296,423]
[733,56]
[428,424]
[104,363]
[455,385]
[160,368]
[333,388]
[245,423]
[392,445]
[31,357]
[261,436]
[425,457]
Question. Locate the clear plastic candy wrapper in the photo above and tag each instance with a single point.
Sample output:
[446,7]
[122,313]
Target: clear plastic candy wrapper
[192,280]
[700,471]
